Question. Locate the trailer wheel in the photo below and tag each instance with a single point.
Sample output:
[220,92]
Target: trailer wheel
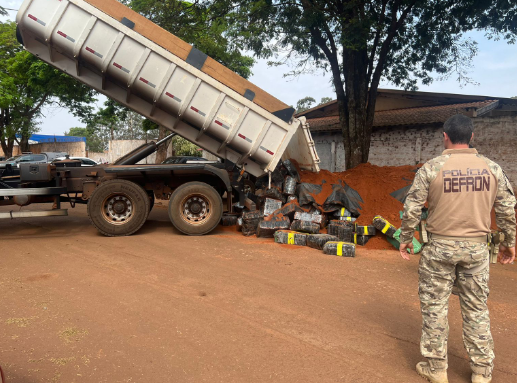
[195,208]
[118,208]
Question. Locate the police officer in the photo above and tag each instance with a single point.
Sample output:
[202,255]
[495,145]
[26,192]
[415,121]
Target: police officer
[460,187]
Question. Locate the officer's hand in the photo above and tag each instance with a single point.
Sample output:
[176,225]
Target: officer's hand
[506,254]
[403,250]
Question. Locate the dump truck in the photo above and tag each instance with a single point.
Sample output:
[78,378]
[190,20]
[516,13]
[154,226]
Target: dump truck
[126,57]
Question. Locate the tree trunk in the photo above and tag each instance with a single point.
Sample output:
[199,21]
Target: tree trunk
[7,147]
[24,143]
[354,121]
[7,143]
[161,154]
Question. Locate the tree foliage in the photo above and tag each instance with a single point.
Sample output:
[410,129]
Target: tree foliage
[180,146]
[306,103]
[94,142]
[114,122]
[362,42]
[27,86]
[193,22]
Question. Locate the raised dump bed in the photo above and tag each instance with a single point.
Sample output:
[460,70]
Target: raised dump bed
[128,58]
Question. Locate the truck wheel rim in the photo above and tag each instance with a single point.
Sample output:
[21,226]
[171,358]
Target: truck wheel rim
[118,209]
[196,209]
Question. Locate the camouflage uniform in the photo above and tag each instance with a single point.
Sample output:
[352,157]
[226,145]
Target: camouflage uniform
[463,263]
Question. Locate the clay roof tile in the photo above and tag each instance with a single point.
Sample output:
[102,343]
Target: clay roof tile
[407,116]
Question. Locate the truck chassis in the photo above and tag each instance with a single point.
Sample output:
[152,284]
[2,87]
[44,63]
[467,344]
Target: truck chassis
[120,197]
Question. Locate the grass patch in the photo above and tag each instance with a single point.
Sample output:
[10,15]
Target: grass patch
[61,361]
[20,322]
[71,334]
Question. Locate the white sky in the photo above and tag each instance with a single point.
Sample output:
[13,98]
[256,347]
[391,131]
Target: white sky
[494,69]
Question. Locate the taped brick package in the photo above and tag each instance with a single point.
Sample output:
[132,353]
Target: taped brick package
[271,205]
[343,212]
[288,237]
[317,241]
[306,227]
[345,233]
[289,185]
[315,218]
[365,230]
[334,225]
[340,249]
[361,240]
[384,226]
[291,170]
[267,229]
[250,222]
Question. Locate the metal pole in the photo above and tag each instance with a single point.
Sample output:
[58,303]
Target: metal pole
[165,139]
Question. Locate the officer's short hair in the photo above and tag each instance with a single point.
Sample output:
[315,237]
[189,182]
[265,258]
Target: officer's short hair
[459,128]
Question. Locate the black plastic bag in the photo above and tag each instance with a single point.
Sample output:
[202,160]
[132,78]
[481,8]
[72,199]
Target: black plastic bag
[305,191]
[343,196]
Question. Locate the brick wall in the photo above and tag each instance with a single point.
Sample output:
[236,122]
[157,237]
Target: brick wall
[494,137]
[405,146]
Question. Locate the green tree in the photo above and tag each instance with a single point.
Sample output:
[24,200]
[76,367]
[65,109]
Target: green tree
[304,104]
[3,11]
[180,146]
[94,141]
[193,23]
[114,122]
[183,147]
[362,42]
[27,85]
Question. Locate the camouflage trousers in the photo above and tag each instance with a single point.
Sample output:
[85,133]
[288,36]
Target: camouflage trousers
[464,265]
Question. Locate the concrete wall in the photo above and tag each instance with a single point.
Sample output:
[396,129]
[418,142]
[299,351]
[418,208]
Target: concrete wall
[494,137]
[99,157]
[74,149]
[331,150]
[118,148]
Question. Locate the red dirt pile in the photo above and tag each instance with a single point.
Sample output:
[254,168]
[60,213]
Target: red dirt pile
[374,184]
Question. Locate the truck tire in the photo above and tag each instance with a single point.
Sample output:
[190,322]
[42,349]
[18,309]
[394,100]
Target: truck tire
[195,208]
[118,207]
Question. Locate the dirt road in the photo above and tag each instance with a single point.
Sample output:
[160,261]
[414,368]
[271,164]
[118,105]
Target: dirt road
[163,307]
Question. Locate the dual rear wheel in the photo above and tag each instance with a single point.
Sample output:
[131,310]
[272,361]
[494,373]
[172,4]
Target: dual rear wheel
[121,207]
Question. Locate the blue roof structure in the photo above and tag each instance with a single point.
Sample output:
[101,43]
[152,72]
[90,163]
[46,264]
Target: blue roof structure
[40,138]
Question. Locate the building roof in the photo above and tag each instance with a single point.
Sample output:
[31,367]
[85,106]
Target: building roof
[42,138]
[412,116]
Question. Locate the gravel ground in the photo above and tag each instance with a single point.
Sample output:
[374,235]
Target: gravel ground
[163,307]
